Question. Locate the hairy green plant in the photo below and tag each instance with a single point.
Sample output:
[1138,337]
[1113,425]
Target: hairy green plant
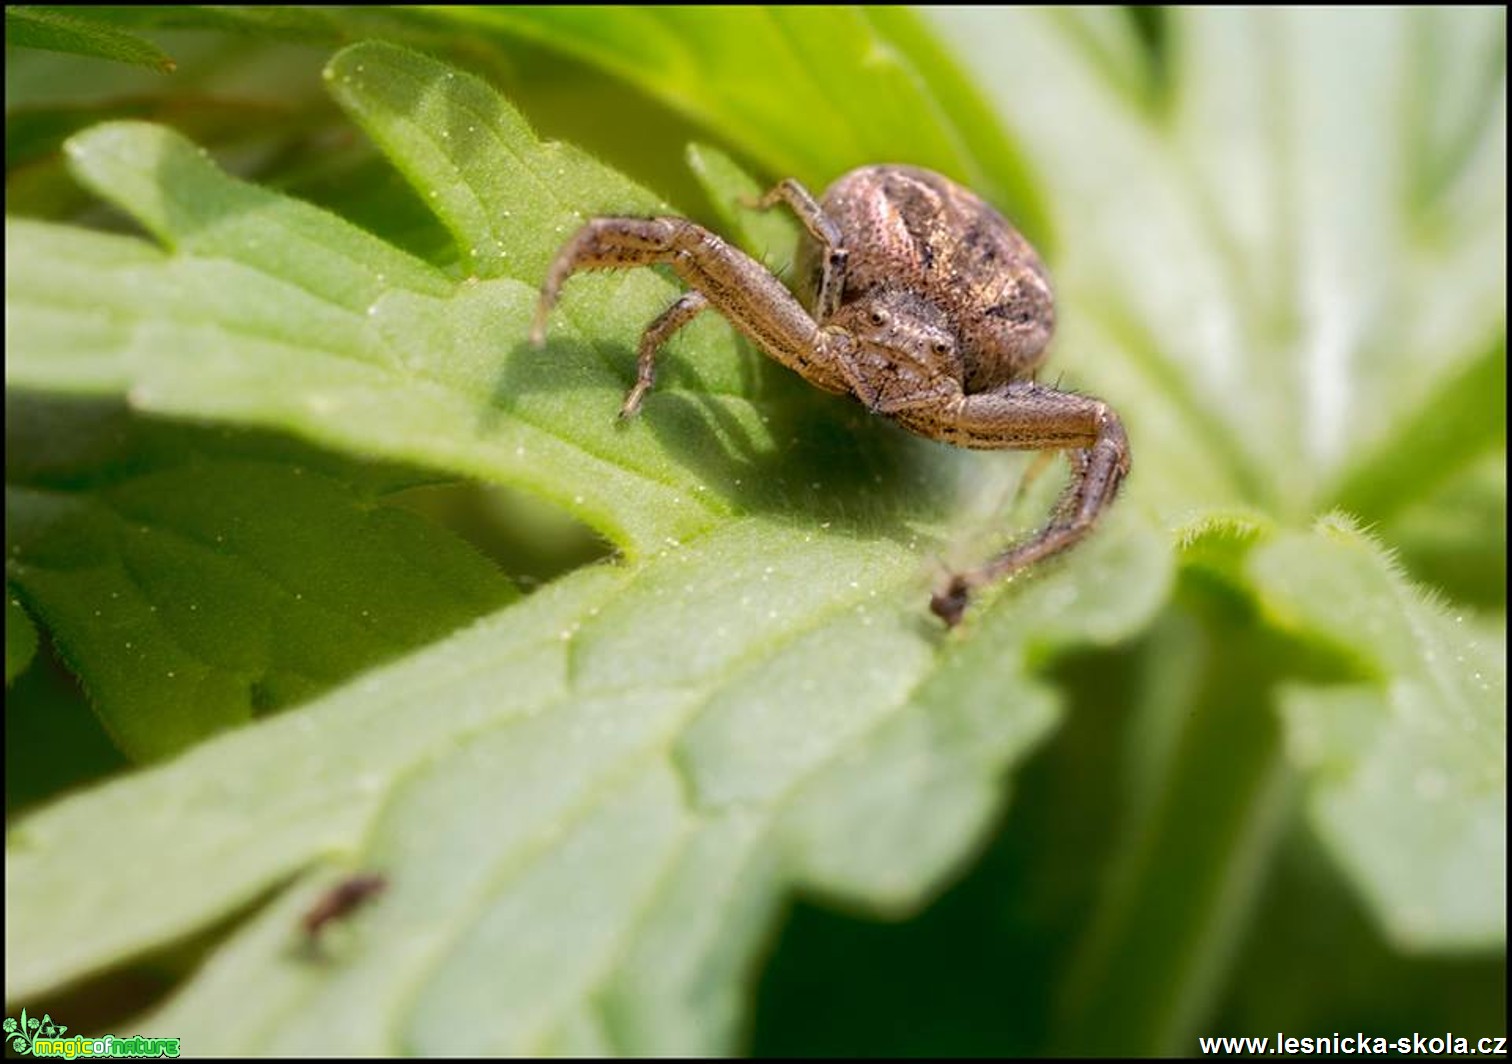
[592,802]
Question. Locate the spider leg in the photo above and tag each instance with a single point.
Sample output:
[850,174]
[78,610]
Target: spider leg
[657,333]
[1032,417]
[726,278]
[823,229]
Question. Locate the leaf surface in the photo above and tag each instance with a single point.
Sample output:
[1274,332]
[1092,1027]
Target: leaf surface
[20,638]
[570,805]
[858,86]
[200,579]
[1293,287]
[58,30]
[662,794]
[1407,774]
[591,805]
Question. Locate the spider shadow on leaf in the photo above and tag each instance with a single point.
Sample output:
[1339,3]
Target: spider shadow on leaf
[793,451]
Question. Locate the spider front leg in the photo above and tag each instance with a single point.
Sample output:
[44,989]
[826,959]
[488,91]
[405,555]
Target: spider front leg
[657,333]
[825,232]
[721,276]
[1032,417]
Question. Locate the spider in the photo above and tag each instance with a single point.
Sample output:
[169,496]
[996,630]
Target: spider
[927,306]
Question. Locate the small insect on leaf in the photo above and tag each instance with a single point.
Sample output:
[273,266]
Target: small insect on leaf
[340,901]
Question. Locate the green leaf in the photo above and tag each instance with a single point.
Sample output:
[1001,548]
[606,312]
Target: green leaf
[1282,274]
[81,33]
[53,741]
[770,236]
[1387,991]
[1455,538]
[655,773]
[806,92]
[507,199]
[270,20]
[1360,728]
[200,582]
[1407,774]
[1448,432]
[1294,290]
[1289,283]
[1184,868]
[580,818]
[20,637]
[391,357]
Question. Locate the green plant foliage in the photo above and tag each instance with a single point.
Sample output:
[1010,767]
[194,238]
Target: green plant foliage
[1414,762]
[20,638]
[1334,283]
[662,792]
[199,582]
[396,355]
[79,32]
[733,725]
[858,84]
[592,804]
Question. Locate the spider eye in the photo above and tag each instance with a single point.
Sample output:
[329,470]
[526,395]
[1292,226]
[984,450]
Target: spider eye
[942,347]
[879,317]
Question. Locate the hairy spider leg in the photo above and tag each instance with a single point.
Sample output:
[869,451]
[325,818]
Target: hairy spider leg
[823,229]
[657,333]
[1032,417]
[727,279]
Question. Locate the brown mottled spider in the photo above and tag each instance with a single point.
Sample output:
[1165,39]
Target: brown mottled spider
[928,307]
